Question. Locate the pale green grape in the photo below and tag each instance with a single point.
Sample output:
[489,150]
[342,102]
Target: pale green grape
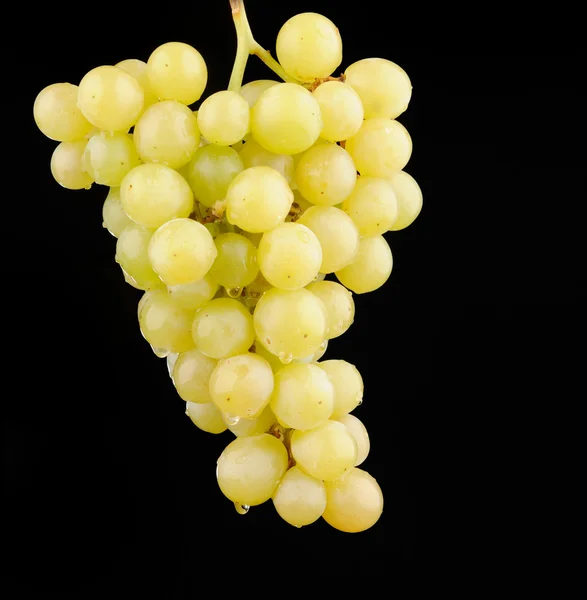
[309,46]
[409,196]
[153,194]
[211,171]
[337,234]
[354,503]
[250,427]
[224,118]
[132,254]
[167,133]
[254,155]
[341,109]
[206,417]
[57,115]
[241,386]
[223,328]
[110,99]
[290,324]
[300,499]
[372,206]
[108,157]
[194,295]
[255,290]
[115,219]
[182,251]
[371,267]
[348,386]
[359,432]
[191,376]
[258,199]
[326,452]
[250,469]
[177,71]
[138,69]
[273,360]
[289,256]
[68,168]
[252,90]
[286,119]
[339,304]
[380,147]
[236,263]
[326,175]
[384,87]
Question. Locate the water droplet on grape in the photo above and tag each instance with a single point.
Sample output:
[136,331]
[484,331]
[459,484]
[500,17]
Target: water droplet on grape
[359,399]
[171,360]
[241,509]
[231,420]
[285,358]
[234,292]
[160,352]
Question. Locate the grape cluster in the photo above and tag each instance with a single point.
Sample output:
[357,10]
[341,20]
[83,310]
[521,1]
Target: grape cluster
[229,219]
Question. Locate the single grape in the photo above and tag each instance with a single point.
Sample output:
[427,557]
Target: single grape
[250,427]
[348,386]
[193,295]
[254,155]
[339,304]
[252,90]
[108,157]
[132,254]
[409,196]
[138,69]
[206,417]
[224,118]
[115,219]
[341,109]
[236,263]
[191,376]
[359,432]
[68,168]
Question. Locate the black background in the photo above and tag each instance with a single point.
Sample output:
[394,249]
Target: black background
[108,489]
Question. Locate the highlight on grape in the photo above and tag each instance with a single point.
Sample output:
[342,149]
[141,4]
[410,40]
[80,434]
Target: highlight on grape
[248,225]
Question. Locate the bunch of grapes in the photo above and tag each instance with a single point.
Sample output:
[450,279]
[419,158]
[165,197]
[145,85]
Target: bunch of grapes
[248,224]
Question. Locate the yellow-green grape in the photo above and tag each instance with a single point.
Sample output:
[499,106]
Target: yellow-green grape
[113,215]
[380,147]
[144,299]
[339,304]
[255,238]
[250,469]
[68,168]
[289,256]
[249,427]
[191,376]
[354,503]
[326,452]
[341,108]
[224,117]
[182,251]
[236,263]
[300,499]
[273,360]
[132,254]
[165,324]
[337,234]
[177,71]
[211,171]
[153,194]
[258,199]
[206,417]
[167,133]
[384,87]
[326,175]
[348,386]
[241,386]
[254,155]
[359,432]
[108,157]
[409,196]
[252,90]
[194,295]
[372,206]
[303,397]
[215,228]
[286,119]
[110,99]
[223,328]
[309,46]
[319,142]
[57,115]
[290,324]
[371,267]
[138,69]
[253,292]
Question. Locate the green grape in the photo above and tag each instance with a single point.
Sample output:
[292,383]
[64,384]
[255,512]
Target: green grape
[254,155]
[371,267]
[300,499]
[167,133]
[319,142]
[252,90]
[354,503]
[182,251]
[326,175]
[206,417]
[153,194]
[236,263]
[224,118]
[380,147]
[258,199]
[309,47]
[68,168]
[273,360]
[359,432]
[409,196]
[115,219]
[286,119]
[326,452]
[138,69]
[339,304]
[193,295]
[337,234]
[290,324]
[257,426]
[215,228]
[348,386]
[241,386]
[223,328]
[108,157]
[384,87]
[57,115]
[289,256]
[133,256]
[177,71]
[372,206]
[211,171]
[250,469]
[191,376]
[341,109]
[110,99]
